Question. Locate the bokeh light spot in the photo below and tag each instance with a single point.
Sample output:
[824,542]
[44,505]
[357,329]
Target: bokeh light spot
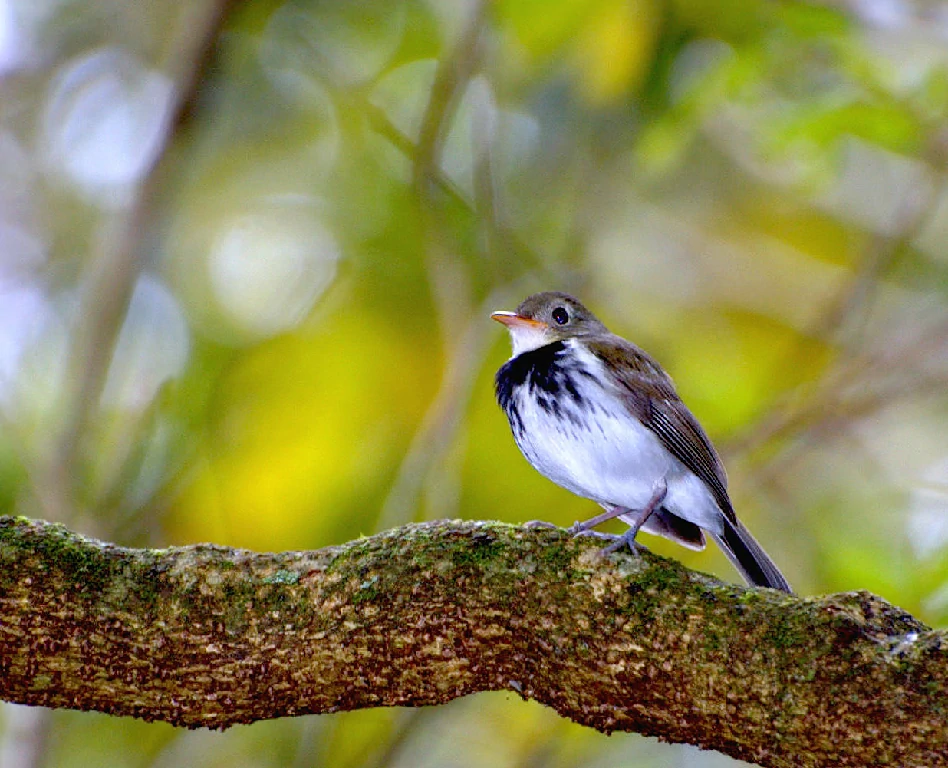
[104,123]
[268,267]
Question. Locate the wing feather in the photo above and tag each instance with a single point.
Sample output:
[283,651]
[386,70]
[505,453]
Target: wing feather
[650,395]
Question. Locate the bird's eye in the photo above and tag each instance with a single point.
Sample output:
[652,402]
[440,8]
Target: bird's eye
[561,316]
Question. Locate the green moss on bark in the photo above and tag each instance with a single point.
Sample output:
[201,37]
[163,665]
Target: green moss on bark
[211,636]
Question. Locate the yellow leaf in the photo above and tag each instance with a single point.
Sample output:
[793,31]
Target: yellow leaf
[614,49]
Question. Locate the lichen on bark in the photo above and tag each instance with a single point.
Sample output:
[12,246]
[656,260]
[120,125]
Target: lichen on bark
[213,636]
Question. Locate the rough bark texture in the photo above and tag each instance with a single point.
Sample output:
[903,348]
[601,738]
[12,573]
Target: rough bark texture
[212,636]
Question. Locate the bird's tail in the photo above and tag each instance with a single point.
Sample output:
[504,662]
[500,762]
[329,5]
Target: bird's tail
[749,557]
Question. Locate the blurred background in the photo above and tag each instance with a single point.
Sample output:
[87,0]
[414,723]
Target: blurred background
[248,252]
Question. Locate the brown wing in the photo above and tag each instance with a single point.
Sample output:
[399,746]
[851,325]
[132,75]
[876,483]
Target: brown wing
[651,397]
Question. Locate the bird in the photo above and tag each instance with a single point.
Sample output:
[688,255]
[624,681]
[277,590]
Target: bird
[601,418]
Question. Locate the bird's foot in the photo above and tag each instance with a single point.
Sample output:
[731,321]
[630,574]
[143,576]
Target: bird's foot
[576,529]
[581,526]
[626,539]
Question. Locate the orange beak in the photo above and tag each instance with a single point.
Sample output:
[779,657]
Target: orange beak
[513,320]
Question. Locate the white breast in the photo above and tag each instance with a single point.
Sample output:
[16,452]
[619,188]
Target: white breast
[597,449]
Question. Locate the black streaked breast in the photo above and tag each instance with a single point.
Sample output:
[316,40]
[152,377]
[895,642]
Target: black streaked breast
[544,373]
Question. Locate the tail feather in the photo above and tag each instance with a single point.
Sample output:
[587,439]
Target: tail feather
[749,557]
[664,523]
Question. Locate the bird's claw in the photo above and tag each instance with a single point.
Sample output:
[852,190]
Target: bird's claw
[582,527]
[625,540]
[593,534]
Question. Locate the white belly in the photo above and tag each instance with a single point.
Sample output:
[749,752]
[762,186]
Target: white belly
[609,456]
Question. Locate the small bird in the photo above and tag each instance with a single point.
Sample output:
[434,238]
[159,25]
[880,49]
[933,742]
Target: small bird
[596,415]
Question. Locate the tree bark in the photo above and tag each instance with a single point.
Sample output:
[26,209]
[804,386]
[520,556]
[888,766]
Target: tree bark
[212,636]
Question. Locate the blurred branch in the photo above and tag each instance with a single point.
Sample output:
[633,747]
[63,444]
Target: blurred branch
[515,248]
[451,284]
[25,742]
[847,316]
[212,636]
[855,390]
[466,348]
[518,250]
[450,280]
[112,275]
[451,77]
[847,391]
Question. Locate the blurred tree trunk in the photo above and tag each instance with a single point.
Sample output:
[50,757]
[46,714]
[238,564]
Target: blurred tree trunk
[212,636]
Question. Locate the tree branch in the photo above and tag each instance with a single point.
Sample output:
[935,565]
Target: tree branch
[212,636]
[112,274]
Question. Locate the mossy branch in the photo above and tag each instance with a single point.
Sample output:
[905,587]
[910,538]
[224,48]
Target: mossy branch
[212,636]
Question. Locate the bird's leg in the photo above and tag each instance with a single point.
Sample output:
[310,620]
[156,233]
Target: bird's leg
[595,534]
[585,526]
[641,516]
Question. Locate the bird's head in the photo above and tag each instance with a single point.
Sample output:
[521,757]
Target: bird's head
[547,317]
